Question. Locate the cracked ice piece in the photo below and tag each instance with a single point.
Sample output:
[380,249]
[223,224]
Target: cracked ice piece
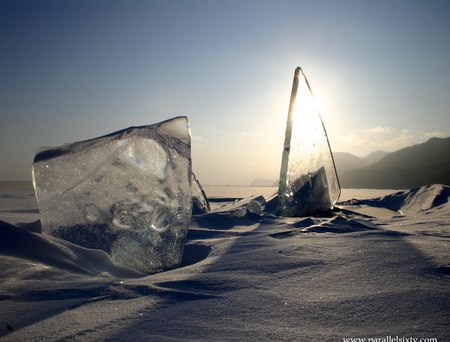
[127,193]
[308,180]
[200,204]
[250,205]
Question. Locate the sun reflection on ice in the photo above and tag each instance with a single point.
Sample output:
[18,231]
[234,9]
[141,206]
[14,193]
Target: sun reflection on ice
[308,179]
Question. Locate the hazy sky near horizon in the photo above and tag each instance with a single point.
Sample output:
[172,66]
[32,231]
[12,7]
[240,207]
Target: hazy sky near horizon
[70,71]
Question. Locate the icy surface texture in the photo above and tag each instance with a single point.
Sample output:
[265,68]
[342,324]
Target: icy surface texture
[200,204]
[127,193]
[250,205]
[308,179]
[244,211]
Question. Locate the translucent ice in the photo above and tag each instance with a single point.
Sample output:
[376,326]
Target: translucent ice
[308,178]
[127,193]
[241,211]
[249,205]
[200,204]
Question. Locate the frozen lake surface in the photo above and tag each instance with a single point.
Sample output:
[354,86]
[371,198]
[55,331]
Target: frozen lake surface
[360,273]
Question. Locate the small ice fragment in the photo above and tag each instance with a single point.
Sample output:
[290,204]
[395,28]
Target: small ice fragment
[200,204]
[249,205]
[127,193]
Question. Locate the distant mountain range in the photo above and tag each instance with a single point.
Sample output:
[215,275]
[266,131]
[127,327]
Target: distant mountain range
[409,167]
[346,161]
[413,166]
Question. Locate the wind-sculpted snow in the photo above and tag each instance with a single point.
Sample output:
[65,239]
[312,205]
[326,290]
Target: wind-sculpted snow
[46,250]
[347,274]
[412,201]
[127,193]
[308,179]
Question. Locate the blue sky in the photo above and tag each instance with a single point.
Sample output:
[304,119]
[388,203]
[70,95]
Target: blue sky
[70,71]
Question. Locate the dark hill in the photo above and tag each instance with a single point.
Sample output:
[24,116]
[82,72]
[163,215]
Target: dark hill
[345,161]
[413,166]
[374,157]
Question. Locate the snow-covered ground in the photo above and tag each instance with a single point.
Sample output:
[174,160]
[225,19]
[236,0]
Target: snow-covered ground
[378,269]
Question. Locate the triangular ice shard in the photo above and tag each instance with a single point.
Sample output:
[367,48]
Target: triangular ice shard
[308,180]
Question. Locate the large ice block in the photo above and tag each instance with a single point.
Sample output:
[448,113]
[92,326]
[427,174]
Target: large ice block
[127,193]
[308,180]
